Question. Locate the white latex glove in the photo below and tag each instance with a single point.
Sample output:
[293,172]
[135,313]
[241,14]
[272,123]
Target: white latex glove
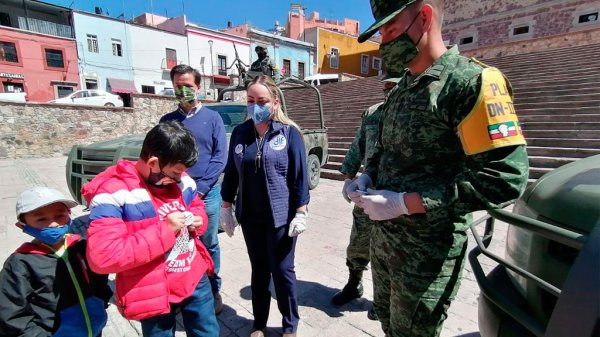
[228,222]
[344,193]
[383,204]
[358,187]
[298,225]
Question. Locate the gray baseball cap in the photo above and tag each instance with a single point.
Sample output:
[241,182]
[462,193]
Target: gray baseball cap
[38,197]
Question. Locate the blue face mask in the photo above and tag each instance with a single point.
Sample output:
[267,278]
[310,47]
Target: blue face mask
[259,113]
[49,235]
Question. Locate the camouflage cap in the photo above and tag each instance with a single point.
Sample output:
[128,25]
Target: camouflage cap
[383,11]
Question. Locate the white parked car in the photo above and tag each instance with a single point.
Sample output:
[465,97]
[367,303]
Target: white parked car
[13,97]
[91,97]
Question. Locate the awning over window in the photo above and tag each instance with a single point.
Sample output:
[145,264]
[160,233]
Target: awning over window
[122,86]
[222,79]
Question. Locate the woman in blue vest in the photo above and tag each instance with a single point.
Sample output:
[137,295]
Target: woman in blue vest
[266,169]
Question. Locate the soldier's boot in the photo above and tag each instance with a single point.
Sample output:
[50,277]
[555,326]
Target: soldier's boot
[353,289]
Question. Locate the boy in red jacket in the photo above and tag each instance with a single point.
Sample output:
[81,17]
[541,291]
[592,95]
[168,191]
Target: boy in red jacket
[145,222]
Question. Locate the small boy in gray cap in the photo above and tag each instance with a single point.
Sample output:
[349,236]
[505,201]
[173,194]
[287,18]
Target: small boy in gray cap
[46,285]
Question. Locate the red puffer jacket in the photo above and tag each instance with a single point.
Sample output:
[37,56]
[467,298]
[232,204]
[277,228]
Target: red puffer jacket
[127,237]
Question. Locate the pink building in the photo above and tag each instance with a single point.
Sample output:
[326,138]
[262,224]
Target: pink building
[38,53]
[298,22]
[43,66]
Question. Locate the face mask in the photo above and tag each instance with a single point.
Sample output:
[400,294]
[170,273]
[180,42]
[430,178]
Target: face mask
[185,95]
[49,235]
[259,113]
[154,178]
[399,52]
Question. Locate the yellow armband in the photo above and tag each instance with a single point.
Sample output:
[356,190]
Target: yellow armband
[493,122]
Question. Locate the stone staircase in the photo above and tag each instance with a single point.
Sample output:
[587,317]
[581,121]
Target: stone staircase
[557,98]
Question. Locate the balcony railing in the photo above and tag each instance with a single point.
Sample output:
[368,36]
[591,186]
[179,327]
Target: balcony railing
[45,27]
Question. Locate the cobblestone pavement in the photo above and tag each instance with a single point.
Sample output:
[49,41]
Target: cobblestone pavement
[320,264]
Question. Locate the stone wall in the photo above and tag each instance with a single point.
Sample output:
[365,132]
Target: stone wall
[42,130]
[490,22]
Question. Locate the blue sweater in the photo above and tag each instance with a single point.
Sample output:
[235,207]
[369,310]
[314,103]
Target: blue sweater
[208,129]
[284,166]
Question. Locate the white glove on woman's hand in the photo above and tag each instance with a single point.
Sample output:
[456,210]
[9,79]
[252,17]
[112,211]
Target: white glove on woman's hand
[383,204]
[298,224]
[228,222]
[358,187]
[344,192]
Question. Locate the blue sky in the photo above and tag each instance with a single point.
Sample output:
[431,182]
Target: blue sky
[215,13]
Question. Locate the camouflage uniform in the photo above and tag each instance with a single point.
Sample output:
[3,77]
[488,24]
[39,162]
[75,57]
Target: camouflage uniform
[266,66]
[357,253]
[417,259]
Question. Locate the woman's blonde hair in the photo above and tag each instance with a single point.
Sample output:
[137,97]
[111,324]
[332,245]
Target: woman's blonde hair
[278,114]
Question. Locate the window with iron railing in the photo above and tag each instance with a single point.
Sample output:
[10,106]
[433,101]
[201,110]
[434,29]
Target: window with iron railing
[92,42]
[171,58]
[287,68]
[117,48]
[8,52]
[45,27]
[301,71]
[54,58]
[222,64]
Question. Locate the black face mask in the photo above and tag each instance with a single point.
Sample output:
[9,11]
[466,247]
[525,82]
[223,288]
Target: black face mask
[154,178]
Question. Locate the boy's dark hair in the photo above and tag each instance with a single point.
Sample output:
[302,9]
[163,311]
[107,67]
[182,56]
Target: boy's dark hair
[185,69]
[171,143]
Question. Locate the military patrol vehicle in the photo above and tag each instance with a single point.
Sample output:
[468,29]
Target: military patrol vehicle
[548,282]
[85,161]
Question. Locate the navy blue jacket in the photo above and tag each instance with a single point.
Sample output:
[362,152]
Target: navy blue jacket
[208,129]
[284,165]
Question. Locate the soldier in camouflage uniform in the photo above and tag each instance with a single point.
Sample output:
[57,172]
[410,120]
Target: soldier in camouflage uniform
[449,144]
[357,253]
[264,64]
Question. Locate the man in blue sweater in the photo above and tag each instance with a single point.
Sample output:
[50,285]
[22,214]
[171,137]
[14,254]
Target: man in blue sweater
[207,127]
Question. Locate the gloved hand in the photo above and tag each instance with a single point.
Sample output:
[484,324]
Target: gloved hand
[383,204]
[357,188]
[344,193]
[298,224]
[228,222]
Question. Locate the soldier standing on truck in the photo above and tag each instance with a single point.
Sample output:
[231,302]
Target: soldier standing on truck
[442,153]
[209,131]
[264,64]
[357,253]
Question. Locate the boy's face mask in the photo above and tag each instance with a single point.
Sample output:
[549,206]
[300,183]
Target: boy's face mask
[48,235]
[185,95]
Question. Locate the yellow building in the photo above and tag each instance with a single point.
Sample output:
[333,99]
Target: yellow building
[341,53]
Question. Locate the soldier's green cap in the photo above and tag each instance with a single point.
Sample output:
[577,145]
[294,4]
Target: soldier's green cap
[383,11]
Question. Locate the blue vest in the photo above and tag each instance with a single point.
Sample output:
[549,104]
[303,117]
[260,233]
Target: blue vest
[275,161]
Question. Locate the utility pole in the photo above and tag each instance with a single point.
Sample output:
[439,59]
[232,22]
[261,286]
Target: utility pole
[212,69]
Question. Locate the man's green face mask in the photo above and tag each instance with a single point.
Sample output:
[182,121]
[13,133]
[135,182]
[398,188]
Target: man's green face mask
[399,52]
[185,95]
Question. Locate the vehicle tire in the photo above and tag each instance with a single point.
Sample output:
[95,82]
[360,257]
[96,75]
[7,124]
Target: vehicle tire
[109,104]
[314,171]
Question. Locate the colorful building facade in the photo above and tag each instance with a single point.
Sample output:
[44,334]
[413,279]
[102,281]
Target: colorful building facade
[38,53]
[337,53]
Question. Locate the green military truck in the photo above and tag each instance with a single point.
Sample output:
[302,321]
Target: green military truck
[547,284]
[86,161]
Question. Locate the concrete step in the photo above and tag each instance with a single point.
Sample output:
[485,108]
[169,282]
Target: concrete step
[331,174]
[572,126]
[554,91]
[534,82]
[332,165]
[565,152]
[532,98]
[337,151]
[563,134]
[543,73]
[549,110]
[549,162]
[572,105]
[560,118]
[564,143]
